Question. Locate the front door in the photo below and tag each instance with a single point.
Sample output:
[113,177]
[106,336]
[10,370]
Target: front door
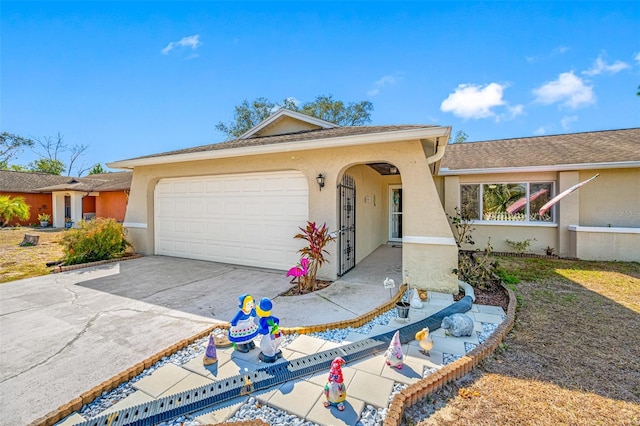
[395,213]
[347,234]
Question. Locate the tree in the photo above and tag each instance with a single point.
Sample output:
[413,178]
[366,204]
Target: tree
[13,207]
[11,146]
[460,137]
[248,114]
[97,170]
[46,165]
[49,158]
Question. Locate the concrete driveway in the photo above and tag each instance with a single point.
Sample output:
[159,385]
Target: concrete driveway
[63,334]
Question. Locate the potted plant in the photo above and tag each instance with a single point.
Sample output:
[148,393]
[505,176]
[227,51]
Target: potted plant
[67,222]
[44,219]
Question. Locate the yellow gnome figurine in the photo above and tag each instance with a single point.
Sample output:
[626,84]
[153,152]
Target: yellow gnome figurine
[335,390]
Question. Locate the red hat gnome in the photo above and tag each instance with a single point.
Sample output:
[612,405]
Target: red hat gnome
[334,390]
[394,352]
[210,356]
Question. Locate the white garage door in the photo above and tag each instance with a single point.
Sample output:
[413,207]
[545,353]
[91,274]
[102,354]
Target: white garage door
[246,219]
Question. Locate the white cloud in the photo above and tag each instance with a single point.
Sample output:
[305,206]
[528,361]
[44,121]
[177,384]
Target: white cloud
[540,131]
[474,101]
[568,89]
[190,41]
[560,50]
[567,120]
[637,57]
[600,66]
[386,80]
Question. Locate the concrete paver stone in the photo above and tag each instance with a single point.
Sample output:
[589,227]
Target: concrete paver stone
[71,420]
[192,381]
[161,380]
[331,416]
[296,397]
[433,360]
[371,365]
[378,329]
[210,371]
[222,412]
[355,337]
[488,309]
[410,373]
[449,345]
[490,318]
[136,398]
[370,388]
[306,344]
[320,379]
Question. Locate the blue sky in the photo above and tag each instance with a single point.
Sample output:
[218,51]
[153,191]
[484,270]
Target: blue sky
[136,78]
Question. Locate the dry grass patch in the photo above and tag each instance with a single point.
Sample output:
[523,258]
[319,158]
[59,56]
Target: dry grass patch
[17,262]
[572,358]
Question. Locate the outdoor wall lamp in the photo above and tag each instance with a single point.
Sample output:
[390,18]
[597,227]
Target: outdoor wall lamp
[320,180]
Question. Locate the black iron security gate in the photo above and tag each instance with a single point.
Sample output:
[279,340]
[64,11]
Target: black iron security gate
[347,234]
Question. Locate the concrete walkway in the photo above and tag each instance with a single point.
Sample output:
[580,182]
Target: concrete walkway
[63,334]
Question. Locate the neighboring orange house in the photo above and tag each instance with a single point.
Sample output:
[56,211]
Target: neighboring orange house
[68,198]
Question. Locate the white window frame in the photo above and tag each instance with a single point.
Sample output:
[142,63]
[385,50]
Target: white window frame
[529,222]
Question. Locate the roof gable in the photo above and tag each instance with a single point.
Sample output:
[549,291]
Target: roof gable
[607,148]
[285,121]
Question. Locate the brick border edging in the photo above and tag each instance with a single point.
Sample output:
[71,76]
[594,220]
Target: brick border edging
[85,398]
[64,268]
[453,371]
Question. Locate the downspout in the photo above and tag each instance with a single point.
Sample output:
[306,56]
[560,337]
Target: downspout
[436,156]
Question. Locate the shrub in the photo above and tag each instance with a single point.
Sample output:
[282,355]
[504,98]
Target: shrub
[317,239]
[98,239]
[10,207]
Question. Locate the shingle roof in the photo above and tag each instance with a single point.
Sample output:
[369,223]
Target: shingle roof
[290,137]
[31,182]
[607,146]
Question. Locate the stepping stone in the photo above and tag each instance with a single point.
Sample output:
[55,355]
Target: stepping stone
[449,345]
[161,380]
[490,318]
[192,381]
[322,415]
[209,371]
[136,398]
[371,389]
[297,397]
[488,309]
[410,373]
[71,420]
[222,412]
[306,344]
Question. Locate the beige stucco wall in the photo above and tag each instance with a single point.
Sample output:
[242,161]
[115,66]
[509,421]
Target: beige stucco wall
[429,261]
[611,200]
[604,243]
[286,125]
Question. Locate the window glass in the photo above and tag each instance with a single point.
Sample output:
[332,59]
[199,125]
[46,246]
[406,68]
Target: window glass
[504,201]
[470,201]
[539,194]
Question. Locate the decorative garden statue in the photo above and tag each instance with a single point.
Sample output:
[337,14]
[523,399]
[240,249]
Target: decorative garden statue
[335,390]
[210,356]
[458,325]
[268,326]
[393,354]
[243,326]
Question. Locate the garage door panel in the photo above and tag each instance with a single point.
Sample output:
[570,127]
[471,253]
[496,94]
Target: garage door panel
[247,219]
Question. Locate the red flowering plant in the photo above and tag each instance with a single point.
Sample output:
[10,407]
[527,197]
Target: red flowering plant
[317,239]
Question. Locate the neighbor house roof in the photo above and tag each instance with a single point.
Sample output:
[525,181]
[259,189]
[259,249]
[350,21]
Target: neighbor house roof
[574,151]
[310,139]
[31,182]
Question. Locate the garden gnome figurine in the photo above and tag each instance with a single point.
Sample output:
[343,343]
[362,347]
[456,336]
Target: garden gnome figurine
[335,390]
[210,356]
[268,326]
[416,302]
[394,352]
[243,326]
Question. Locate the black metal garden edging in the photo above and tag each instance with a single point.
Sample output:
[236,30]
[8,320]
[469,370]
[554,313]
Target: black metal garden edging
[205,396]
